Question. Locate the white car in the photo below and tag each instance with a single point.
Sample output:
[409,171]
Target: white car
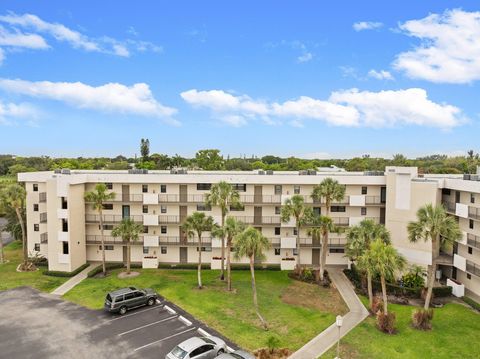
[198,348]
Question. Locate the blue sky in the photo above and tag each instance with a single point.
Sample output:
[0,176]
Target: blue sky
[303,78]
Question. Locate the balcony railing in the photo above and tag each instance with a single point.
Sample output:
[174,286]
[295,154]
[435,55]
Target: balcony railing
[168,198]
[473,240]
[108,240]
[259,199]
[373,200]
[473,268]
[42,197]
[333,242]
[44,238]
[473,212]
[341,221]
[43,217]
[309,199]
[259,220]
[119,197]
[184,241]
[168,219]
[111,218]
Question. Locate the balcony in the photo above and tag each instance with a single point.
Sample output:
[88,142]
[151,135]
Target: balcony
[288,242]
[63,236]
[109,240]
[43,217]
[168,198]
[261,199]
[125,198]
[168,219]
[259,220]
[473,240]
[111,218]
[309,199]
[44,238]
[450,207]
[185,241]
[373,200]
[42,197]
[473,212]
[473,268]
[150,220]
[333,242]
[341,221]
[150,241]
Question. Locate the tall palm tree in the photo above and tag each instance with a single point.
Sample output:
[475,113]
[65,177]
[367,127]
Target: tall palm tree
[329,190]
[1,244]
[223,196]
[252,244]
[13,197]
[295,207]
[129,231]
[359,238]
[98,197]
[196,224]
[382,259]
[320,227]
[230,230]
[433,224]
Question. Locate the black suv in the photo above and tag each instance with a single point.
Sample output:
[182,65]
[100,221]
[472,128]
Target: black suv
[119,301]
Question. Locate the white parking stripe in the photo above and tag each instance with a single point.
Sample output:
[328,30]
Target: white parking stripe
[185,320]
[134,313]
[203,332]
[158,341]
[169,309]
[147,325]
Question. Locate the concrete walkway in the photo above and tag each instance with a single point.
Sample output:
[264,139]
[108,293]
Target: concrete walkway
[328,338]
[72,282]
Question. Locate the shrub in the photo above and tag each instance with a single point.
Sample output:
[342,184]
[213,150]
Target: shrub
[386,322]
[377,305]
[422,319]
[412,280]
[443,291]
[354,276]
[307,275]
[108,266]
[471,303]
[272,343]
[54,273]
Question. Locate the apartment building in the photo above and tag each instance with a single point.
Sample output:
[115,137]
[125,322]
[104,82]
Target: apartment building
[65,229]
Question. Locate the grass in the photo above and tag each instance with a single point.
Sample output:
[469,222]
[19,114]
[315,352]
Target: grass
[454,335]
[10,278]
[295,311]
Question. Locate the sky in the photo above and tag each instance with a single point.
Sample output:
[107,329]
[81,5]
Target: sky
[313,79]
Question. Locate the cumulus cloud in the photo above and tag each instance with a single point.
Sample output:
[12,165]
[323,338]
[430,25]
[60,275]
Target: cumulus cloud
[380,75]
[449,50]
[366,25]
[348,108]
[111,97]
[10,112]
[19,39]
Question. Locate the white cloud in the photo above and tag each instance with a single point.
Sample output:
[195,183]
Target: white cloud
[380,75]
[19,39]
[349,108]
[9,112]
[304,56]
[366,25]
[111,97]
[307,56]
[449,51]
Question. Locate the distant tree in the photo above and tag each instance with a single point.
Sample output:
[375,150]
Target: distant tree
[399,160]
[17,168]
[162,162]
[119,158]
[209,160]
[120,165]
[145,148]
[470,154]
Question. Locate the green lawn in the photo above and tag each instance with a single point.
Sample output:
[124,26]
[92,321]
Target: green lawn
[10,278]
[454,335]
[295,311]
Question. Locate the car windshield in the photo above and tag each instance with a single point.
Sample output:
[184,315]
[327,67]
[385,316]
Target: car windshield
[109,298]
[179,353]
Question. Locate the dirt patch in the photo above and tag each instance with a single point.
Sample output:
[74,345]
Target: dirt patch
[265,353]
[314,297]
[123,275]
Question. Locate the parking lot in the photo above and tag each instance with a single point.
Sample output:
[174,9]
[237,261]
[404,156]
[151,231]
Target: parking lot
[39,325]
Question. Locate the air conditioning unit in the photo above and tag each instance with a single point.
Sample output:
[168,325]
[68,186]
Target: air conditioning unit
[65,171]
[269,172]
[303,173]
[261,172]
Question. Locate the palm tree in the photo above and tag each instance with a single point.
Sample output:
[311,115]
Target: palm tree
[295,207]
[1,244]
[433,224]
[128,230]
[224,196]
[252,244]
[231,229]
[13,196]
[320,227]
[98,197]
[359,238]
[382,259]
[196,224]
[330,190]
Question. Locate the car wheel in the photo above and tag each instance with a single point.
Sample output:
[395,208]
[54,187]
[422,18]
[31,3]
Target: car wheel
[123,310]
[151,302]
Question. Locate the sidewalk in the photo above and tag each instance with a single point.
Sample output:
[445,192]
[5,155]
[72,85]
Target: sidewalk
[72,282]
[328,338]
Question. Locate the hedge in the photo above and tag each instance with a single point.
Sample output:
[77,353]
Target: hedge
[99,269]
[273,267]
[471,303]
[443,291]
[54,273]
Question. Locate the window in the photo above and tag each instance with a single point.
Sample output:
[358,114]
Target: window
[239,207]
[119,299]
[277,251]
[163,250]
[203,207]
[278,189]
[163,209]
[364,190]
[145,229]
[163,229]
[446,191]
[107,248]
[337,250]
[35,187]
[163,188]
[277,231]
[65,248]
[295,231]
[64,225]
[129,296]
[144,209]
[470,224]
[109,185]
[295,251]
[469,276]
[139,294]
[363,211]
[108,206]
[205,249]
[144,188]
[337,208]
[317,211]
[470,250]
[35,207]
[64,203]
[107,227]
[204,186]
[296,189]
[145,250]
[240,187]
[278,209]
[472,198]
[36,227]
[201,350]
[36,247]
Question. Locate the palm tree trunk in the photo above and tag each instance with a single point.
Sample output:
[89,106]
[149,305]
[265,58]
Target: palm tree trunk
[229,270]
[128,257]
[384,293]
[254,291]
[24,236]
[199,269]
[369,289]
[323,259]
[1,246]
[431,274]
[222,275]
[102,237]
[298,266]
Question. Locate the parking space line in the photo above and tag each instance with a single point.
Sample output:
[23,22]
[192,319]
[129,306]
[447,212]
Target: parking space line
[203,332]
[185,320]
[134,313]
[147,325]
[169,309]
[159,340]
